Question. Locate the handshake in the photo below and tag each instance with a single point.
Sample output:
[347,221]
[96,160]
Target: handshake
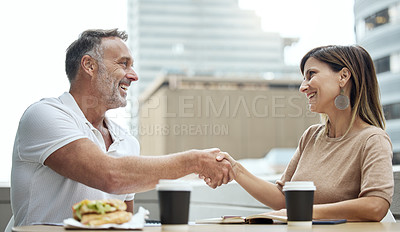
[216,167]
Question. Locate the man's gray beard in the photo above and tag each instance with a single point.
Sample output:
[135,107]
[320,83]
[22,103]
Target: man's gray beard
[114,99]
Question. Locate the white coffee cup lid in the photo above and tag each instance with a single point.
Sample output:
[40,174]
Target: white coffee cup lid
[173,185]
[299,185]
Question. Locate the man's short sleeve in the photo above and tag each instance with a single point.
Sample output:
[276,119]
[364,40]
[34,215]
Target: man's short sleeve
[44,128]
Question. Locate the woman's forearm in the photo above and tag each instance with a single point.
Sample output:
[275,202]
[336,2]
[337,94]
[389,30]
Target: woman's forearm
[264,191]
[360,209]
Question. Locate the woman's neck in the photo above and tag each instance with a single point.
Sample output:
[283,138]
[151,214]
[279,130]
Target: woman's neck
[339,126]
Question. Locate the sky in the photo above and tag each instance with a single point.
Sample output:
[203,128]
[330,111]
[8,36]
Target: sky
[35,34]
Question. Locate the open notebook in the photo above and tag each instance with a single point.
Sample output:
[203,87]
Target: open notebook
[263,218]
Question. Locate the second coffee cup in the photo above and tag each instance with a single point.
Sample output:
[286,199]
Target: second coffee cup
[299,197]
[174,201]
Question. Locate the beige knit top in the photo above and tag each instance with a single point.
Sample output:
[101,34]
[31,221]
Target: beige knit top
[357,165]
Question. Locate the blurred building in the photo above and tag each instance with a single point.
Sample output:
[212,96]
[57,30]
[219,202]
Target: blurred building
[378,31]
[202,37]
[245,117]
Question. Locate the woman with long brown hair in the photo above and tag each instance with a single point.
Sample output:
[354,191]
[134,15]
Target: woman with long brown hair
[349,155]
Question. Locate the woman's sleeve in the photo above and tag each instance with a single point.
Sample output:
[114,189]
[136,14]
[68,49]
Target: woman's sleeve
[376,168]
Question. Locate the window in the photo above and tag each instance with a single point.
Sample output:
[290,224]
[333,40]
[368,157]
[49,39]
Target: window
[388,63]
[378,19]
[382,64]
[396,158]
[392,111]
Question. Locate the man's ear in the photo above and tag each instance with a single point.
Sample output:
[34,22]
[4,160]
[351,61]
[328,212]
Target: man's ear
[345,75]
[88,64]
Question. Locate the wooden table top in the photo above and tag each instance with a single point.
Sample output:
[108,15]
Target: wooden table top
[349,226]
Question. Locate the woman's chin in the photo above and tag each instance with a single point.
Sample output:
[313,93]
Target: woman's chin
[312,108]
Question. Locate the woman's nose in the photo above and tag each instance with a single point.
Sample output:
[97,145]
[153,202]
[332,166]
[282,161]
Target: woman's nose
[304,86]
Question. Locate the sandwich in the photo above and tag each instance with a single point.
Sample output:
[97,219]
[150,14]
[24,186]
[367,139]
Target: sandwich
[99,212]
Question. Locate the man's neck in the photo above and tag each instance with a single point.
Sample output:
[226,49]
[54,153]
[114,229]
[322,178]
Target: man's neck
[92,108]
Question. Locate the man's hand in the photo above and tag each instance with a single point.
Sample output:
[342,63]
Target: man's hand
[214,170]
[217,171]
[226,156]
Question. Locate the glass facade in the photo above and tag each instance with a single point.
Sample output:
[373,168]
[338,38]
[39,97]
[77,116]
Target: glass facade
[378,31]
[197,37]
[201,38]
[388,15]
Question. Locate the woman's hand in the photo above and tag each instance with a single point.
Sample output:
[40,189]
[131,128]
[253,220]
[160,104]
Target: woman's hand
[264,191]
[220,157]
[224,155]
[281,212]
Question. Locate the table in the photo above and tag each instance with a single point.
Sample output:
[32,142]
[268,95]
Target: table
[350,226]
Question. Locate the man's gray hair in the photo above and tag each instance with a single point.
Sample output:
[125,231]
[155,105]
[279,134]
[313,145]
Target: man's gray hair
[88,43]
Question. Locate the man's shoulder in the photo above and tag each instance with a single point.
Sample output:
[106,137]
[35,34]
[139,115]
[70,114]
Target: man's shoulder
[42,105]
[46,104]
[48,109]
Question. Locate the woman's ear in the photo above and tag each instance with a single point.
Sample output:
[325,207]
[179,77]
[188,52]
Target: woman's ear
[345,75]
[88,64]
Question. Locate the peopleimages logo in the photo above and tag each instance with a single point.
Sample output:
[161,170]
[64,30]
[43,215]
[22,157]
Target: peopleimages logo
[207,115]
[260,106]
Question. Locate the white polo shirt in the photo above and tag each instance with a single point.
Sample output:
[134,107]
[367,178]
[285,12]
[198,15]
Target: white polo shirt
[38,194]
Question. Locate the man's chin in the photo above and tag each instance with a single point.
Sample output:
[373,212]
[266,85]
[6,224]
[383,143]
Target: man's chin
[122,104]
[115,104]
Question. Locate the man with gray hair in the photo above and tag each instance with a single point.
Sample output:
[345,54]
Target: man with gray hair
[66,149]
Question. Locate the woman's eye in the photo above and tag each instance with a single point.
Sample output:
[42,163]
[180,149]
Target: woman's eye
[311,74]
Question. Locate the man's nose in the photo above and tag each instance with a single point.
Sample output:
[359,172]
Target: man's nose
[131,75]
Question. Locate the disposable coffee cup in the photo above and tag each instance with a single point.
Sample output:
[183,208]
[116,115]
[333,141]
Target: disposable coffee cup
[174,201]
[299,197]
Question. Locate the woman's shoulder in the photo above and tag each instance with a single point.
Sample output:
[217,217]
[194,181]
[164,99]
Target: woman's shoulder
[369,131]
[311,132]
[313,129]
[371,135]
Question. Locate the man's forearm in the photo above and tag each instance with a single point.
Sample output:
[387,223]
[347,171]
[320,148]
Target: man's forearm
[139,174]
[84,162]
